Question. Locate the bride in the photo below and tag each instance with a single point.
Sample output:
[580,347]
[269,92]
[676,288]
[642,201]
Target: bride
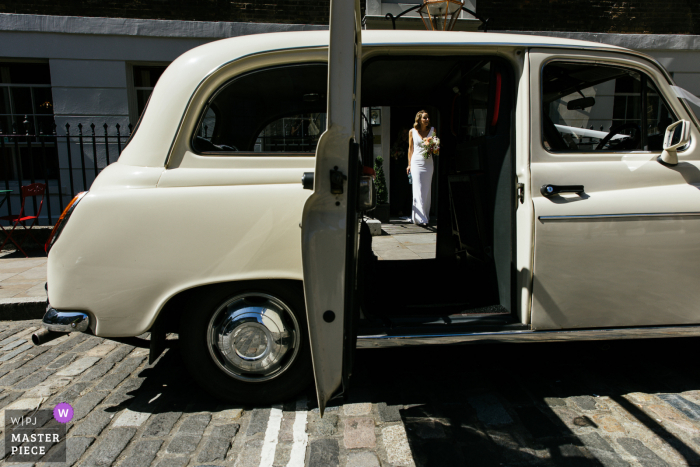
[420,166]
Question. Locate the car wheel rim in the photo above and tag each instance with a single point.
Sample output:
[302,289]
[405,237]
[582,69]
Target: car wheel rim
[253,337]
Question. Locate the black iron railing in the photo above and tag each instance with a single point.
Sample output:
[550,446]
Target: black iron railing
[67,163]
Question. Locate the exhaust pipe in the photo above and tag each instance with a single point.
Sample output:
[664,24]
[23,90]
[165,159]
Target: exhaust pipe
[44,335]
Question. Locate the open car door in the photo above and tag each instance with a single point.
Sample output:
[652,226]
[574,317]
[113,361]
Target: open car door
[329,222]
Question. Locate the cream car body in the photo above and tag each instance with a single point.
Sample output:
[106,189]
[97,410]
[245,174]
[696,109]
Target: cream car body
[163,219]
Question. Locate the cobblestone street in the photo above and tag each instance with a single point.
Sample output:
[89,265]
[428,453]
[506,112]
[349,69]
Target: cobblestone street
[633,403]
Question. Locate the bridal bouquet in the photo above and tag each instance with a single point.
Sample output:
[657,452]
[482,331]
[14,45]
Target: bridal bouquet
[432,146]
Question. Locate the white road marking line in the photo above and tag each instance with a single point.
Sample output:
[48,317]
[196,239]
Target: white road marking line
[267,456]
[301,439]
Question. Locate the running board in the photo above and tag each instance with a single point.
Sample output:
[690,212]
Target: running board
[404,340]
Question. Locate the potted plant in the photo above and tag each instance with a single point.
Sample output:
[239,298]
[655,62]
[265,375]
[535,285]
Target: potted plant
[381,212]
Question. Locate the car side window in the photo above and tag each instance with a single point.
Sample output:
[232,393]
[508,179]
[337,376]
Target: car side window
[279,110]
[589,107]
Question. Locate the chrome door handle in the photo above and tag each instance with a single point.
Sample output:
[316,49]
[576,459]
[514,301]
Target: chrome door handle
[551,190]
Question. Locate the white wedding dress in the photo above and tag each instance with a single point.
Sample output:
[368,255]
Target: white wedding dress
[422,175]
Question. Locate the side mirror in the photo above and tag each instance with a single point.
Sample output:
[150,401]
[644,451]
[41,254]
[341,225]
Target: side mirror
[677,135]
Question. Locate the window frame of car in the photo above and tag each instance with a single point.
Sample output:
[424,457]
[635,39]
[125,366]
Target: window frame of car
[223,86]
[605,62]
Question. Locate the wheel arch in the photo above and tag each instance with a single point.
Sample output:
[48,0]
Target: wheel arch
[169,317]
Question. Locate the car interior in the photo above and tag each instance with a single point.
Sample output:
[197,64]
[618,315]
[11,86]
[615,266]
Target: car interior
[472,99]
[469,279]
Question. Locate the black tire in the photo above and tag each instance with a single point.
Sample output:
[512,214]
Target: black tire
[194,325]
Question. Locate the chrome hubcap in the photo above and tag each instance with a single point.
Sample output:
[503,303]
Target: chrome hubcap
[253,337]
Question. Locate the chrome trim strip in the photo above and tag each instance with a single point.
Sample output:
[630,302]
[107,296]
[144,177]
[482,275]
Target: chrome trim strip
[383,341]
[621,216]
[65,321]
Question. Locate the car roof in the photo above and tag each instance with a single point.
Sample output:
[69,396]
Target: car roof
[158,127]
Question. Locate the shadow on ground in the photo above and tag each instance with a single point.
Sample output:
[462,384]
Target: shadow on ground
[485,404]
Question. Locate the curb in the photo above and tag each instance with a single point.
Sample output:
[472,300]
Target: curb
[18,309]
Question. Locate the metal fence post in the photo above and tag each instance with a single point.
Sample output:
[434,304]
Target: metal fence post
[70,161]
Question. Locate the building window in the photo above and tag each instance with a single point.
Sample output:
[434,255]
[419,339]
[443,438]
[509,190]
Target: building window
[26,105]
[145,79]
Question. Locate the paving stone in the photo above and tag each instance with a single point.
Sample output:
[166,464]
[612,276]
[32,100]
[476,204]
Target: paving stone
[102,349]
[683,405]
[608,423]
[396,444]
[85,404]
[161,424]
[389,413]
[326,426]
[75,448]
[8,398]
[362,459]
[61,362]
[16,352]
[324,453]
[13,344]
[489,410]
[214,449]
[119,374]
[131,418]
[643,454]
[225,431]
[78,366]
[666,415]
[142,453]
[195,424]
[355,410]
[359,433]
[258,421]
[93,424]
[602,450]
[173,462]
[108,448]
[16,375]
[554,401]
[107,363]
[229,414]
[183,444]
[585,402]
[34,379]
[90,343]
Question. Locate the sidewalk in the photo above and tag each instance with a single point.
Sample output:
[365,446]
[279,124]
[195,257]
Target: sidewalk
[22,282]
[402,240]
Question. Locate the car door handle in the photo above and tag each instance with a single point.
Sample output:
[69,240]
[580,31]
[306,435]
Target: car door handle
[551,190]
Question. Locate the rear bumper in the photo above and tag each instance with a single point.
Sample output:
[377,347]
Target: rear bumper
[65,321]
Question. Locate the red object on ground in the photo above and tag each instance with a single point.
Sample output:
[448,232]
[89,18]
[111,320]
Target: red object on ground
[35,189]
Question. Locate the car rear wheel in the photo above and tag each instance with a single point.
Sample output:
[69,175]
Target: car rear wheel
[248,342]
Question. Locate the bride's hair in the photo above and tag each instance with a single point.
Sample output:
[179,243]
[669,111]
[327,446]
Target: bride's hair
[420,113]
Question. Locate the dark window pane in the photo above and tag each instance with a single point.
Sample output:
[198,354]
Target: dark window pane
[43,100]
[274,110]
[147,76]
[45,125]
[4,101]
[21,101]
[142,96]
[25,73]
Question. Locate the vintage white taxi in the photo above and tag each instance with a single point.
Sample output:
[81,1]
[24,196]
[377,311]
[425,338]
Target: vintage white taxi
[569,205]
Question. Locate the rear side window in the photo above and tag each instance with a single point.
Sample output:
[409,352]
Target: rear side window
[588,107]
[278,110]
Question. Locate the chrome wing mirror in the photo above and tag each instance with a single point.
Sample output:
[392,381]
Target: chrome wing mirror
[677,135]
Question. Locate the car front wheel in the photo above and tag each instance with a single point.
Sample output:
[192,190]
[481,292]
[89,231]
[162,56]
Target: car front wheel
[248,342]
